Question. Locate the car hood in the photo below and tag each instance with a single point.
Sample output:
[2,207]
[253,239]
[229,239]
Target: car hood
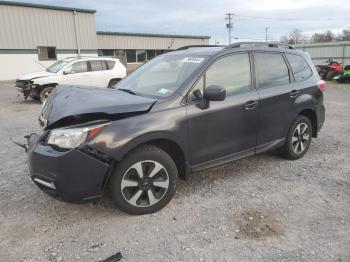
[31,76]
[69,105]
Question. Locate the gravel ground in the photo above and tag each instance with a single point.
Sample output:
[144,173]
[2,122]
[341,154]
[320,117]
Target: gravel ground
[262,208]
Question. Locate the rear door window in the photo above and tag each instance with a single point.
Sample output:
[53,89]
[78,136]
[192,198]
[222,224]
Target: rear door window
[271,70]
[96,65]
[299,66]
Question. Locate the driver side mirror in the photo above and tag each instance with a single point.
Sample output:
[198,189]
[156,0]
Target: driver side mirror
[214,93]
[67,71]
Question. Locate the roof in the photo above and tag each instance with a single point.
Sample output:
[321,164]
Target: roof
[84,58]
[53,7]
[151,35]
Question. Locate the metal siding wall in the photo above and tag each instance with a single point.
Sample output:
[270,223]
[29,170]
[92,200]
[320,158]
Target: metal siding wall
[144,42]
[320,52]
[27,28]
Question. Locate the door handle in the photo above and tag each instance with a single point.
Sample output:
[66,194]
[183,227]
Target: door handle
[293,93]
[250,105]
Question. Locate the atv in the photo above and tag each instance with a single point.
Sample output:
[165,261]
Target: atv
[344,76]
[329,71]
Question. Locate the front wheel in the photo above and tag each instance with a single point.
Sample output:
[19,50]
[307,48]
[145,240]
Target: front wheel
[298,139]
[144,181]
[44,93]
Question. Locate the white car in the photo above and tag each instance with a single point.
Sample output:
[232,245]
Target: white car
[82,71]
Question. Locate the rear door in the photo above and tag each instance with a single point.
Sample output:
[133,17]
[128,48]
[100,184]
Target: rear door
[275,111]
[224,128]
[99,73]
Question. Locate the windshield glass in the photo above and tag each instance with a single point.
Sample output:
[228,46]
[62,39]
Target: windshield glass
[57,66]
[162,76]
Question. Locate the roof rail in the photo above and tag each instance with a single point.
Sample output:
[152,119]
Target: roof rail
[193,46]
[268,44]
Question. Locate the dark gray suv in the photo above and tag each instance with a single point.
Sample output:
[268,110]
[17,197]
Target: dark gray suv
[184,111]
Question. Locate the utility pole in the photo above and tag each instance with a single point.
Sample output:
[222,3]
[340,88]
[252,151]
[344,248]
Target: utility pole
[229,25]
[266,28]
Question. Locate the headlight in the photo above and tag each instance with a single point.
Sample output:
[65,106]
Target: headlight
[73,137]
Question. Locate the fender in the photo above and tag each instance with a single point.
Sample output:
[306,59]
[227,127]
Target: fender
[123,135]
[148,138]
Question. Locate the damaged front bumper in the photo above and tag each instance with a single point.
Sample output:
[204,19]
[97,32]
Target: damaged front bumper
[26,87]
[71,175]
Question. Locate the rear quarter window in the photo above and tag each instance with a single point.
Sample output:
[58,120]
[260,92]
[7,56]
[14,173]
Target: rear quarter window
[299,66]
[110,64]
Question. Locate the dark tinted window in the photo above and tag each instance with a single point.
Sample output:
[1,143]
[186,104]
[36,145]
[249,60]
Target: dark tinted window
[131,56]
[141,56]
[151,54]
[106,52]
[79,67]
[300,68]
[271,69]
[47,53]
[231,72]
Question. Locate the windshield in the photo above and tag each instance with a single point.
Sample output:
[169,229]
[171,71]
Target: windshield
[162,76]
[57,66]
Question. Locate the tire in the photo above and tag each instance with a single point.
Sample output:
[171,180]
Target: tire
[330,75]
[297,145]
[138,194]
[44,93]
[113,82]
[34,97]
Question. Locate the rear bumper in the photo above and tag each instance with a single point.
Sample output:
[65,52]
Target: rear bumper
[321,115]
[71,176]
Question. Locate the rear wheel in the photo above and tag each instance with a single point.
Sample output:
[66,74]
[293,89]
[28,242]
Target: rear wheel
[144,182]
[45,92]
[298,139]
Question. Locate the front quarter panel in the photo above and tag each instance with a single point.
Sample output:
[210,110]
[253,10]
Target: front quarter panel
[123,135]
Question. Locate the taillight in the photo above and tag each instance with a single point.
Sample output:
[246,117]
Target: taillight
[321,85]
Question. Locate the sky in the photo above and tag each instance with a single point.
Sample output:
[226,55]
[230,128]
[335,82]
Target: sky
[207,17]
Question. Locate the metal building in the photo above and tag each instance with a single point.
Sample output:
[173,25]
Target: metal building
[34,36]
[321,52]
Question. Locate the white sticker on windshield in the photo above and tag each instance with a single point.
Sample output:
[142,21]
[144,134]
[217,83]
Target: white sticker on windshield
[164,91]
[196,60]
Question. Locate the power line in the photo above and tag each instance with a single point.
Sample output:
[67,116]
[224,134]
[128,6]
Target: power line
[294,19]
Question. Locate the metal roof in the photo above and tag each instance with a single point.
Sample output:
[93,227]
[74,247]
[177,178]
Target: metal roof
[151,35]
[53,7]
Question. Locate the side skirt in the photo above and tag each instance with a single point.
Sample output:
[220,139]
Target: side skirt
[223,160]
[243,154]
[269,146]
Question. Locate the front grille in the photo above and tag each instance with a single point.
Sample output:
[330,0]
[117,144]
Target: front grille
[22,83]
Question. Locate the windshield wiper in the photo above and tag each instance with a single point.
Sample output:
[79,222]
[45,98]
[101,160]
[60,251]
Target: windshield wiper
[127,91]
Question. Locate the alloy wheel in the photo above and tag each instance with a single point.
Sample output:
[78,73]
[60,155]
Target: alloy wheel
[145,183]
[300,138]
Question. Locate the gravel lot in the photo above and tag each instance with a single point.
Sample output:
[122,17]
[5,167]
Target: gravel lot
[263,208]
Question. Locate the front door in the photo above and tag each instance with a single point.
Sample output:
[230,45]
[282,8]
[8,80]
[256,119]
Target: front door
[224,128]
[77,74]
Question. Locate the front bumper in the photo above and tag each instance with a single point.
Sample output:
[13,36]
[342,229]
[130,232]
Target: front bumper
[25,87]
[72,176]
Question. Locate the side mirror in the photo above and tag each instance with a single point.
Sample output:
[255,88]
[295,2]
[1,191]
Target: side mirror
[214,93]
[67,70]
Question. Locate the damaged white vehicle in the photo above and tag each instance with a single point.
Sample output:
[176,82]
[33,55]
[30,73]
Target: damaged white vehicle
[82,71]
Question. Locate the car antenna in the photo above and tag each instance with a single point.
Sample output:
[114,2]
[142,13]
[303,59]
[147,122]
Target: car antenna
[40,64]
